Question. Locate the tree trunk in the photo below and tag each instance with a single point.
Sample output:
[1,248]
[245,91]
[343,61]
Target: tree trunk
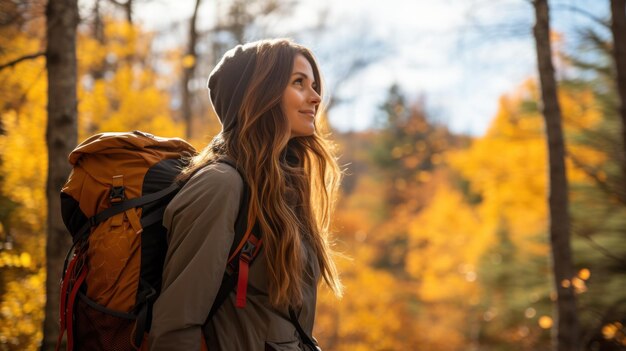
[98,33]
[188,72]
[128,8]
[565,330]
[618,27]
[61,135]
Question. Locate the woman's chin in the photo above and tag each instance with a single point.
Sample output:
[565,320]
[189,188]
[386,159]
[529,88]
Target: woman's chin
[304,132]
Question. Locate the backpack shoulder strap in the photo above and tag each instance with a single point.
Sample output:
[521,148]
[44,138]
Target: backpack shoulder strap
[246,244]
[306,339]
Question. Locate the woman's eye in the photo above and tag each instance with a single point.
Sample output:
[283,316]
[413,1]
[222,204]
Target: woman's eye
[298,81]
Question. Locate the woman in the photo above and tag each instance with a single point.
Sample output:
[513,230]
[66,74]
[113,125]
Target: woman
[267,96]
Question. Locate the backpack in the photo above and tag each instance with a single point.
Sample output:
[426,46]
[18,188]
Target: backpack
[113,205]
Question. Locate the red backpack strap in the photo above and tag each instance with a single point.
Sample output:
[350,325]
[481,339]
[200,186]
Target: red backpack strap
[248,253]
[69,289]
[63,303]
[70,307]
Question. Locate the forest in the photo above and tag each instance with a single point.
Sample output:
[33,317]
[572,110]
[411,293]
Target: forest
[448,240]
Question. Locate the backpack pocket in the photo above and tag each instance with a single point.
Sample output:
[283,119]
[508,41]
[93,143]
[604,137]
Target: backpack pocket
[98,328]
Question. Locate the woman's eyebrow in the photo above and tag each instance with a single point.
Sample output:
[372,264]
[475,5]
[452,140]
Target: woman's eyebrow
[300,73]
[303,75]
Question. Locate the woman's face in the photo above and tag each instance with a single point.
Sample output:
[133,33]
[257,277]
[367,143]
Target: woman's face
[300,100]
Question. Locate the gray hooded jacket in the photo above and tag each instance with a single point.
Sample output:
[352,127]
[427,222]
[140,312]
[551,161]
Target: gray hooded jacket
[200,222]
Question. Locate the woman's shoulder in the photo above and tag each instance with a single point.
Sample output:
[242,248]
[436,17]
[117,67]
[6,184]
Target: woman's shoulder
[217,175]
[208,189]
[214,181]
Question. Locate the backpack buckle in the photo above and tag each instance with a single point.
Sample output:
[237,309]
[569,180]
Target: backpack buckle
[116,195]
[247,250]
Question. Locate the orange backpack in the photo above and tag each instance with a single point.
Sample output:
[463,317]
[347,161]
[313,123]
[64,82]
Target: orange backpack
[113,205]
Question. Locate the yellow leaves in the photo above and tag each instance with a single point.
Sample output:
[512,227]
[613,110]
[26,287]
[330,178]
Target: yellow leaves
[579,285]
[579,109]
[93,108]
[123,39]
[129,98]
[188,61]
[358,213]
[24,167]
[22,312]
[24,162]
[369,317]
[90,53]
[614,331]
[545,322]
[397,152]
[143,109]
[585,163]
[584,274]
[423,176]
[508,168]
[411,161]
[11,259]
[445,242]
[437,159]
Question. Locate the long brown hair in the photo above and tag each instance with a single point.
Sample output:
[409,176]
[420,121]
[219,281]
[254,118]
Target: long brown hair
[281,171]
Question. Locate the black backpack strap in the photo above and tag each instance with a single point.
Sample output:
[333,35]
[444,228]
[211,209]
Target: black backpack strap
[229,279]
[145,300]
[306,339]
[123,207]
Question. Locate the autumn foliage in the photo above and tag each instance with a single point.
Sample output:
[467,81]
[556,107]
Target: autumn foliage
[444,236]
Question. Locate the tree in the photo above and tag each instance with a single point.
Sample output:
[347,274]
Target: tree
[566,326]
[61,137]
[189,68]
[127,7]
[618,27]
[598,206]
[502,250]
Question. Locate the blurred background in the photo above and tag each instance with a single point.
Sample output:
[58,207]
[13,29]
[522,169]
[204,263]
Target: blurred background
[435,109]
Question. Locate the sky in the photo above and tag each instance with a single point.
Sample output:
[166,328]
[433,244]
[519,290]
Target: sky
[457,56]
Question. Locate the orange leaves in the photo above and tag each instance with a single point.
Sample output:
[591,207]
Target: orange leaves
[445,243]
[119,92]
[507,168]
[371,315]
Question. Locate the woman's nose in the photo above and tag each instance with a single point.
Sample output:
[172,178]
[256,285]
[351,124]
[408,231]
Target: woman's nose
[315,98]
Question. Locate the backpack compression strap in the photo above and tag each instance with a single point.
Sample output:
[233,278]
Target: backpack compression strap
[123,207]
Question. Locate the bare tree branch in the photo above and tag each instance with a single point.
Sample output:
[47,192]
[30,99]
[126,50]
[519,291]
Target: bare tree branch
[127,6]
[20,59]
[603,250]
[189,71]
[593,174]
[583,12]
